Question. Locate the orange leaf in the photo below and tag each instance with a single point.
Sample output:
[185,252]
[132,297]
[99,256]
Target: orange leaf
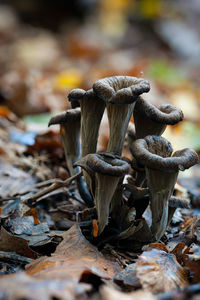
[74,257]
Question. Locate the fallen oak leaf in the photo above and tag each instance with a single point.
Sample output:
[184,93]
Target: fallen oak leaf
[73,258]
[160,272]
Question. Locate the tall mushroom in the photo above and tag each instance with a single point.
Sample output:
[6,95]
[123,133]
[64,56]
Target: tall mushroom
[161,167]
[69,122]
[105,171]
[152,120]
[92,109]
[120,94]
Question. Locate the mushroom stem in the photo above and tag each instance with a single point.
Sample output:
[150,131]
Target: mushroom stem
[116,202]
[161,185]
[119,117]
[92,110]
[120,94]
[71,144]
[103,197]
[161,167]
[69,122]
[105,171]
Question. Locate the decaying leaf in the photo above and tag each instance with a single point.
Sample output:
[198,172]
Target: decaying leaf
[127,278]
[22,286]
[109,293]
[13,180]
[159,271]
[12,243]
[73,258]
[25,225]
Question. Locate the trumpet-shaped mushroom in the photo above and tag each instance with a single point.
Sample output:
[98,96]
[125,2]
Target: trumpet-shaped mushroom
[161,167]
[152,120]
[69,122]
[120,94]
[105,171]
[92,109]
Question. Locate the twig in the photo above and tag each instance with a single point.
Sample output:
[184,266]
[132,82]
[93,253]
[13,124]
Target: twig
[56,184]
[14,257]
[47,182]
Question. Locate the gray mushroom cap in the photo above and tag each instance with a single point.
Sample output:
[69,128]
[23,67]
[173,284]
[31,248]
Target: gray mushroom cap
[120,89]
[76,94]
[104,163]
[155,152]
[70,115]
[165,114]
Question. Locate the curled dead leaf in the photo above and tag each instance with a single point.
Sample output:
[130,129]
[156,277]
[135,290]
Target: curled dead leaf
[159,271]
[73,257]
[12,243]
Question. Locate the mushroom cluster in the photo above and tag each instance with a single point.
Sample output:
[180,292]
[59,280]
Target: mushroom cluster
[152,172]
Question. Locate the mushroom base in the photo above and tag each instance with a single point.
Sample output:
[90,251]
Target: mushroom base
[161,186]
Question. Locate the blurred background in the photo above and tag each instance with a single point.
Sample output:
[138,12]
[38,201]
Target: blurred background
[49,47]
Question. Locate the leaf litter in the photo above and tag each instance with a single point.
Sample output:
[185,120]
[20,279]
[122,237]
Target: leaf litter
[66,265]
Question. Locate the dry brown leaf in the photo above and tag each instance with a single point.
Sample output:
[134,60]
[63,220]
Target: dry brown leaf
[21,286]
[12,243]
[73,258]
[127,278]
[109,293]
[188,229]
[13,180]
[158,246]
[49,141]
[160,272]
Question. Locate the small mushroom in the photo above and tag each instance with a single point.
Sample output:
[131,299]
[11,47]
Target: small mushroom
[75,96]
[92,109]
[152,120]
[120,94]
[161,167]
[69,122]
[105,171]
[174,203]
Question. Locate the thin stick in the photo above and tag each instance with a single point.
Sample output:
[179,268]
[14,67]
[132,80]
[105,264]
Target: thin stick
[12,256]
[54,186]
[47,182]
